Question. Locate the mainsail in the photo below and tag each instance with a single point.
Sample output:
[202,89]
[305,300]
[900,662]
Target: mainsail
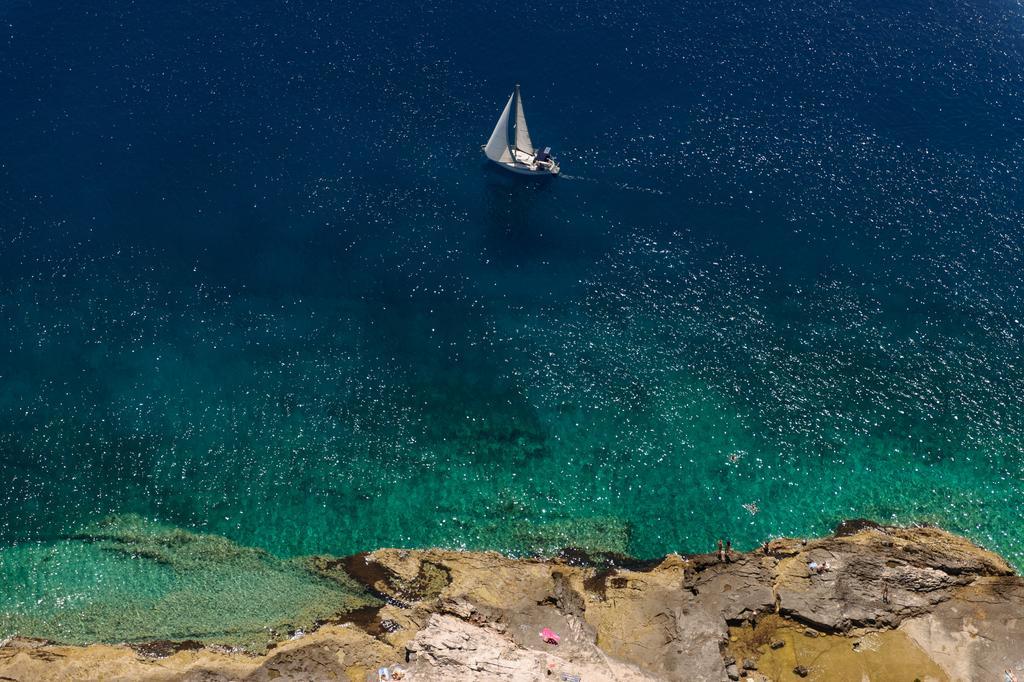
[497,147]
[523,141]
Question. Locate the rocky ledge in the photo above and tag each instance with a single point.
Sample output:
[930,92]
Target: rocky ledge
[893,604]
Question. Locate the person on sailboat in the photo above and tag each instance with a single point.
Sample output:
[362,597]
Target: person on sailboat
[543,158]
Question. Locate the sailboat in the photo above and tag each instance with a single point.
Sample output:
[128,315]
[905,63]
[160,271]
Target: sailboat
[520,156]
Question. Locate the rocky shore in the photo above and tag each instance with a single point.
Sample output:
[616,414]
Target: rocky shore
[894,604]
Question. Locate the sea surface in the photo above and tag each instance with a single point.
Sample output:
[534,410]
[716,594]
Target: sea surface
[261,296]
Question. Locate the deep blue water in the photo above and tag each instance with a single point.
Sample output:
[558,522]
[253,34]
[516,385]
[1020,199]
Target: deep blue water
[257,280]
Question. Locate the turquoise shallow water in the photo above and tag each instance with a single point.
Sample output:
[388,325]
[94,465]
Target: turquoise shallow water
[778,286]
[125,579]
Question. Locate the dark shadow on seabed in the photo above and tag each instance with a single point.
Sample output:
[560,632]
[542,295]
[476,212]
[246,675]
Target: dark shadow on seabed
[515,215]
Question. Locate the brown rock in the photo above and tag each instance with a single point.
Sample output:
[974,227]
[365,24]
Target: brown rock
[477,616]
[879,576]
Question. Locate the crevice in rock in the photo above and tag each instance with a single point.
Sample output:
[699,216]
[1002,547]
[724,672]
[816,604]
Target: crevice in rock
[598,583]
[817,626]
[369,574]
[854,526]
[574,556]
[431,579]
[567,600]
[162,648]
[366,619]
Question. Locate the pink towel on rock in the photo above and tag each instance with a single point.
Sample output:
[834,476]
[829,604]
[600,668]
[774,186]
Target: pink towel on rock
[549,636]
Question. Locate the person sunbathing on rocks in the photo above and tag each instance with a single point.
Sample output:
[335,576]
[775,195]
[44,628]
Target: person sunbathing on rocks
[815,567]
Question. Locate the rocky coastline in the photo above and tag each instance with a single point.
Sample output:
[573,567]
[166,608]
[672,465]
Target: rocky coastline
[893,604]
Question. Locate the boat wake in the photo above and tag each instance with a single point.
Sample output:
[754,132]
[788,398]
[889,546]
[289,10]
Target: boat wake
[620,185]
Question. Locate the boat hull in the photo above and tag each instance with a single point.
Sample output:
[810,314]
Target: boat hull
[521,168]
[525,170]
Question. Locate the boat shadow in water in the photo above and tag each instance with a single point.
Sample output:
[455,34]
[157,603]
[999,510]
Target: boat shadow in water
[518,222]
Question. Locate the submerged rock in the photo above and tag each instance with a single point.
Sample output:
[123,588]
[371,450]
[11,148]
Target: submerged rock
[128,579]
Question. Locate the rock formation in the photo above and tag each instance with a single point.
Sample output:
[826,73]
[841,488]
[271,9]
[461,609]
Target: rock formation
[893,603]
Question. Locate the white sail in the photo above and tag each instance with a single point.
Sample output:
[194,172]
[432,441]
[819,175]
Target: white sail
[497,147]
[523,141]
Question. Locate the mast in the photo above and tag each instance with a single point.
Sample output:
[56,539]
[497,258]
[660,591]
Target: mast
[515,124]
